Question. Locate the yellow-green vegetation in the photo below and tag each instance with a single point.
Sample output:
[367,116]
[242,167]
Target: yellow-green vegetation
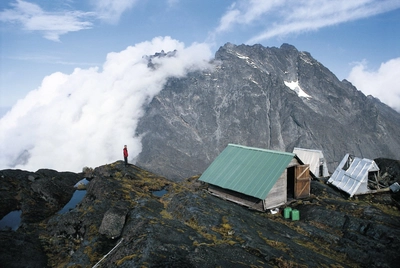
[89,209]
[292,225]
[326,228]
[93,230]
[118,175]
[124,259]
[53,260]
[92,254]
[192,223]
[282,263]
[336,266]
[389,210]
[273,243]
[225,230]
[323,249]
[166,215]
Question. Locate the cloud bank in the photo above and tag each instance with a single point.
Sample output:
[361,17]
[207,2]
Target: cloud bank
[284,17]
[381,83]
[84,118]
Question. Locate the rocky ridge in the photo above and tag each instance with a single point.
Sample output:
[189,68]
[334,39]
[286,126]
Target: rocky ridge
[122,219]
[247,99]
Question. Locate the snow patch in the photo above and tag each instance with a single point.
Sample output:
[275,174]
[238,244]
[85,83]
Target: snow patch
[294,85]
[240,56]
[306,59]
[247,59]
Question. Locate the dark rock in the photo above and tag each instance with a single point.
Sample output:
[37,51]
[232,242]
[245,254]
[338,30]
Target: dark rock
[21,250]
[38,198]
[244,100]
[113,222]
[121,220]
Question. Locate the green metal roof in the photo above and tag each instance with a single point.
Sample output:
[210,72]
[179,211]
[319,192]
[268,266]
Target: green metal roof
[251,171]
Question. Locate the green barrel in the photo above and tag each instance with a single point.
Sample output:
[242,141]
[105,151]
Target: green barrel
[286,212]
[295,215]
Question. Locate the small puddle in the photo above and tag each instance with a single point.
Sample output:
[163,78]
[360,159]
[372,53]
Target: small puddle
[81,185]
[161,192]
[11,220]
[75,199]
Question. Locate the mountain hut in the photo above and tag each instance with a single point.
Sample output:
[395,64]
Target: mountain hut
[354,175]
[316,160]
[257,178]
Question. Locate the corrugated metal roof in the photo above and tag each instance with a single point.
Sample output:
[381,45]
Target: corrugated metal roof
[314,158]
[251,171]
[353,180]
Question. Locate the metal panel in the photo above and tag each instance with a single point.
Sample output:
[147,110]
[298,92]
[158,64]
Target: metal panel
[354,179]
[247,170]
[315,158]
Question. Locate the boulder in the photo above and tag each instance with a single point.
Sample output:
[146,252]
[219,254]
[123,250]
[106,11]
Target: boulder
[113,222]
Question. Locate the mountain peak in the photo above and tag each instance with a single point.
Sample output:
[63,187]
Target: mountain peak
[288,47]
[271,98]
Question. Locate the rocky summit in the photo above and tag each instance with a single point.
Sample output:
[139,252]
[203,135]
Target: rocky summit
[130,217]
[270,98]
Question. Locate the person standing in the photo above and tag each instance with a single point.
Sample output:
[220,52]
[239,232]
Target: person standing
[125,151]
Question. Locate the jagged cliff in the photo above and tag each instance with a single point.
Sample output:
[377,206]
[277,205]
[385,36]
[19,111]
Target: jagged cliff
[272,98]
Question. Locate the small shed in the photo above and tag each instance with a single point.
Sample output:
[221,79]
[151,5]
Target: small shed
[353,175]
[316,160]
[257,178]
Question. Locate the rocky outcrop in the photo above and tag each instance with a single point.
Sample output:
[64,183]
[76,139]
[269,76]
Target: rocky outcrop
[113,222]
[121,220]
[246,99]
[20,249]
[31,192]
[38,195]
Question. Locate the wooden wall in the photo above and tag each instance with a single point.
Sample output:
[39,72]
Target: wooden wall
[239,198]
[278,194]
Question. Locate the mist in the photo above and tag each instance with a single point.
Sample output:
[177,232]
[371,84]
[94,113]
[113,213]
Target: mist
[86,117]
[379,83]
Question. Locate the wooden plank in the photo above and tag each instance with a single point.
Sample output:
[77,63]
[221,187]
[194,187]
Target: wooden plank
[236,197]
[302,181]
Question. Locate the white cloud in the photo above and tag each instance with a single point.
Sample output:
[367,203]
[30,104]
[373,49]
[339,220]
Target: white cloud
[51,24]
[54,24]
[382,83]
[283,17]
[111,10]
[172,3]
[84,118]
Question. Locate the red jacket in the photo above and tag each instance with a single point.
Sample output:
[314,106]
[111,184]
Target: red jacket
[125,152]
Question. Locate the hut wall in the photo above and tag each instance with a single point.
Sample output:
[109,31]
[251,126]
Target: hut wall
[293,163]
[239,198]
[278,194]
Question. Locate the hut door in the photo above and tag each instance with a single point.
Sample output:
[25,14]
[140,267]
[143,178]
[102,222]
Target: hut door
[302,181]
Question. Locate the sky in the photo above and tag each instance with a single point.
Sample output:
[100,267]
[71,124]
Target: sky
[73,82]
